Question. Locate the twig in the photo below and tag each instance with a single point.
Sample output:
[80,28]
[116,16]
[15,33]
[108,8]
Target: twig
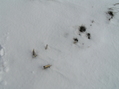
[34,53]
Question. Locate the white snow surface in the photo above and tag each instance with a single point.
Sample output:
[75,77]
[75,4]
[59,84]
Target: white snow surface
[32,24]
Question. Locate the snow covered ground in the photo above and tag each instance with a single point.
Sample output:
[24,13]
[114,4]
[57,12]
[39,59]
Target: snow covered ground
[32,24]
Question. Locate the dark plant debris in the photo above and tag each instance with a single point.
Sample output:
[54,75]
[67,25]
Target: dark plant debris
[75,40]
[34,54]
[111,14]
[82,29]
[88,35]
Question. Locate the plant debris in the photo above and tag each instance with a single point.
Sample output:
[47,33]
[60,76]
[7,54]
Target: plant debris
[75,40]
[34,54]
[82,29]
[111,14]
[88,35]
[46,66]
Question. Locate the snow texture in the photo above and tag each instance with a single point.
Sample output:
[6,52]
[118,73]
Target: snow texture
[79,59]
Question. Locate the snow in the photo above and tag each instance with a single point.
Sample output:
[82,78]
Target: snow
[1,51]
[32,24]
